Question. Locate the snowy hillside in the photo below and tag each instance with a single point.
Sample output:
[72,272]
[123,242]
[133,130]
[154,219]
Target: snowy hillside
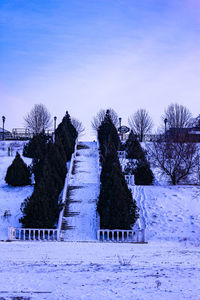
[10,197]
[171,213]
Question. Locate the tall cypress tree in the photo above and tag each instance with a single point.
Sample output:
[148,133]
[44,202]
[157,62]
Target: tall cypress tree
[41,209]
[116,207]
[67,134]
[36,147]
[49,168]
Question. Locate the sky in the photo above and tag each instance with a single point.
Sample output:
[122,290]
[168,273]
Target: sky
[84,55]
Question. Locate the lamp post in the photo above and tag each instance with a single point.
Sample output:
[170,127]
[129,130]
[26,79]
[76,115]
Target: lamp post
[3,119]
[120,122]
[55,118]
[165,121]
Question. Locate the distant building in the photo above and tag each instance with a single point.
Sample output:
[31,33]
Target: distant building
[185,134]
[7,134]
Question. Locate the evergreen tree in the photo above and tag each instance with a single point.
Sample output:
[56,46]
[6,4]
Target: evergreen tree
[18,174]
[133,148]
[107,133]
[41,209]
[143,174]
[49,168]
[36,147]
[67,134]
[116,207]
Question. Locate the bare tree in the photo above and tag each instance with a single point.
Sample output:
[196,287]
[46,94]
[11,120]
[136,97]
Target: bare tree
[177,116]
[98,119]
[38,120]
[196,122]
[175,159]
[78,126]
[141,123]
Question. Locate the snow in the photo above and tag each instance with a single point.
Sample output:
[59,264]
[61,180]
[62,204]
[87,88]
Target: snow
[168,267]
[170,213]
[11,197]
[72,270]
[83,198]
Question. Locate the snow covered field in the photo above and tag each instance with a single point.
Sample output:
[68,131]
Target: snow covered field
[10,197]
[71,270]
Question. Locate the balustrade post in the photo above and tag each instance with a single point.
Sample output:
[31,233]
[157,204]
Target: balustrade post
[98,235]
[38,234]
[108,235]
[103,235]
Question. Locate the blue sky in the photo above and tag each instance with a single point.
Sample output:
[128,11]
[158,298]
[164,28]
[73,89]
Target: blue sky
[85,55]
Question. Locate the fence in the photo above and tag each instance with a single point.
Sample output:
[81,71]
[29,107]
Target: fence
[32,234]
[124,236]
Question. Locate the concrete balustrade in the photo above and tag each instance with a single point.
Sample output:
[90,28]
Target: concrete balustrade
[125,236]
[33,234]
[121,154]
[130,179]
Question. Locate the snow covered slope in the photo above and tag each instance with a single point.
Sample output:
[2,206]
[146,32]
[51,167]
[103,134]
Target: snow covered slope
[10,197]
[84,190]
[170,213]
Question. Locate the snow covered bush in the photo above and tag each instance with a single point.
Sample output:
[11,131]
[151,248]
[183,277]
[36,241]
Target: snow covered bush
[18,174]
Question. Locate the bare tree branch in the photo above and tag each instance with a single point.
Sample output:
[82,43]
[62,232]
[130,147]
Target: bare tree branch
[38,120]
[78,126]
[175,159]
[98,119]
[141,123]
[178,116]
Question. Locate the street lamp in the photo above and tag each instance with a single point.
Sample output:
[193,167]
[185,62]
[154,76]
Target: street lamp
[55,118]
[120,122]
[3,119]
[165,121]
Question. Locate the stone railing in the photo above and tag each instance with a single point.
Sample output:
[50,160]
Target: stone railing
[32,234]
[130,179]
[124,236]
[121,154]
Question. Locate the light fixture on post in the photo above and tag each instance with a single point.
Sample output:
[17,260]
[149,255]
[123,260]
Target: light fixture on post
[3,120]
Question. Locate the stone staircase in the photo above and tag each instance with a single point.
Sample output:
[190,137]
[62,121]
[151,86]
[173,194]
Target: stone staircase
[79,222]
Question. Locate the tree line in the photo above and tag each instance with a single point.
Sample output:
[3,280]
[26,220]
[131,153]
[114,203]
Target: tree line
[141,123]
